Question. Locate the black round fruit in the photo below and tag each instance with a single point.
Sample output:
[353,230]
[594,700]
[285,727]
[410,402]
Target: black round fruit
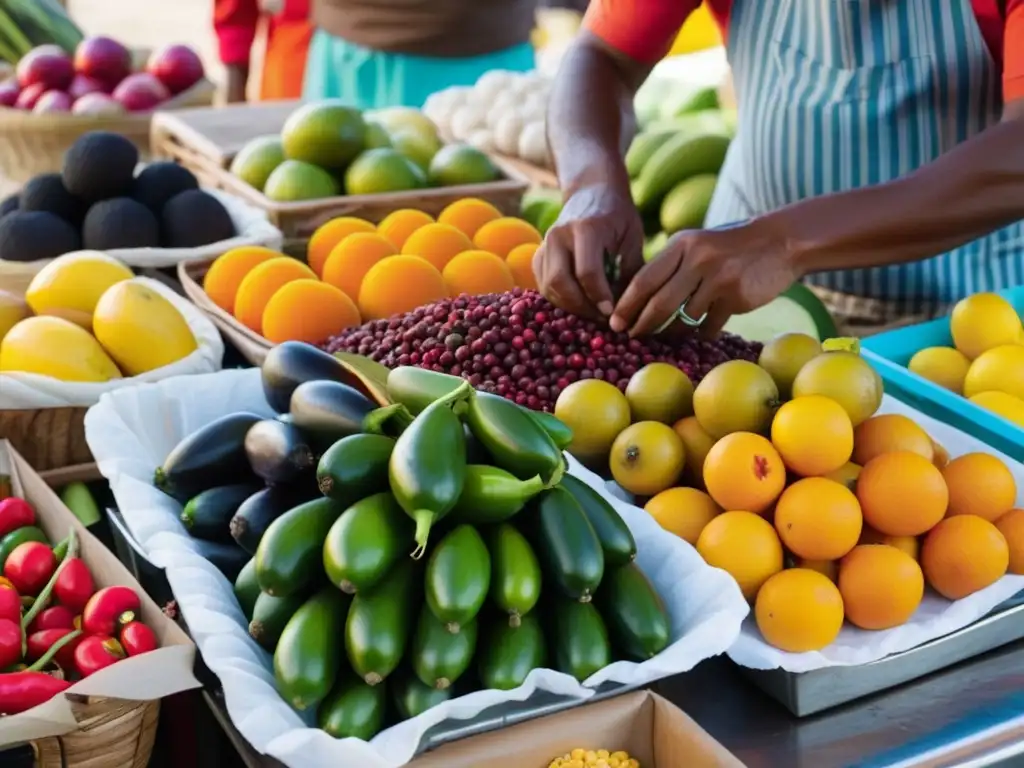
[159,182]
[34,235]
[195,218]
[120,223]
[10,204]
[99,166]
[47,192]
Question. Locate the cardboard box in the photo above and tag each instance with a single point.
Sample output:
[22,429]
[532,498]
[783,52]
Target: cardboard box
[648,727]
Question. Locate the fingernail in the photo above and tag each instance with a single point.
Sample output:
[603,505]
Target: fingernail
[617,324]
[605,308]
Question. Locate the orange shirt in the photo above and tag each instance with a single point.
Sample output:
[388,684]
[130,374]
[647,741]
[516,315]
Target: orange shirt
[645,30]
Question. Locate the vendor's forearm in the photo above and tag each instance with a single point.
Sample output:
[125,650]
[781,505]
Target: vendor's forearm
[969,192]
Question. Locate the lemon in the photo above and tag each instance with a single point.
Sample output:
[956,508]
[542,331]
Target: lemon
[596,412]
[1009,407]
[944,366]
[683,511]
[52,346]
[70,285]
[844,377]
[140,329]
[982,322]
[998,370]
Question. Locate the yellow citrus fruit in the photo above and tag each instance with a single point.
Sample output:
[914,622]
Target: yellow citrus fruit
[1011,525]
[785,355]
[827,568]
[887,433]
[646,458]
[500,236]
[468,215]
[328,235]
[520,261]
[944,366]
[697,444]
[799,610]
[437,243]
[683,511]
[737,396]
[596,412]
[229,270]
[261,283]
[660,392]
[845,377]
[398,225]
[1000,369]
[902,493]
[745,546]
[55,347]
[818,519]
[1009,407]
[982,322]
[308,310]
[352,258]
[964,554]
[979,484]
[907,544]
[476,273]
[71,285]
[813,435]
[881,586]
[399,284]
[743,471]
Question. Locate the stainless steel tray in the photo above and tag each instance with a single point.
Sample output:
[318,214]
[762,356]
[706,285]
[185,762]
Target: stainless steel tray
[807,693]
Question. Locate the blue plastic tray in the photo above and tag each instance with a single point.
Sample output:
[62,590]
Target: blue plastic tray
[891,351]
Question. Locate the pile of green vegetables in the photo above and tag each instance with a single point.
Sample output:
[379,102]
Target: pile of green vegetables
[26,24]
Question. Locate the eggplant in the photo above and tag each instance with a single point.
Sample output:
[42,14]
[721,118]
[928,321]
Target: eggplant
[258,511]
[278,452]
[327,411]
[207,515]
[292,363]
[229,559]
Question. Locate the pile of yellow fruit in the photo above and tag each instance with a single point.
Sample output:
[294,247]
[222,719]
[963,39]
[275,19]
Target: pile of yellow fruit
[357,271]
[594,758]
[986,362]
[85,317]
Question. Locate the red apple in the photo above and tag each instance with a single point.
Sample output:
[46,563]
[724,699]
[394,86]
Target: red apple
[47,65]
[29,96]
[82,85]
[9,93]
[103,59]
[97,104]
[53,101]
[141,92]
[176,66]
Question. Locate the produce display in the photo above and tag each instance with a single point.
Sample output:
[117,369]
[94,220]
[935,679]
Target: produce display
[96,78]
[328,149]
[86,318]
[594,758]
[99,202]
[358,271]
[438,535]
[56,627]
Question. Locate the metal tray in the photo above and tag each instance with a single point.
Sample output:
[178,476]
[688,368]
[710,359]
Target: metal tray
[807,693]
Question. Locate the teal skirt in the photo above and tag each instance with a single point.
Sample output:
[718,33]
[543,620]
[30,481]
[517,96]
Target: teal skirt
[338,69]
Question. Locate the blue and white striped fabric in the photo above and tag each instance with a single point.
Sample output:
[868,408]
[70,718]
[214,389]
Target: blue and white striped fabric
[840,94]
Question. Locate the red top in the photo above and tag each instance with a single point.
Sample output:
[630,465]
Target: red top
[645,30]
[236,21]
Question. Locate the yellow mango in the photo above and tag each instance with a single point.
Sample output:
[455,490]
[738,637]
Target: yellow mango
[52,346]
[70,285]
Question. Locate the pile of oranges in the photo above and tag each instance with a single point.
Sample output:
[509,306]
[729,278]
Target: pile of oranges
[357,271]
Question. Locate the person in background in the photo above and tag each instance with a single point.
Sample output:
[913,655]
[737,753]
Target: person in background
[390,53]
[879,155]
[288,33]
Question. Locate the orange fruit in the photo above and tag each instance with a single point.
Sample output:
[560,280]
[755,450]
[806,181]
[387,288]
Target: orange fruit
[979,484]
[1011,525]
[683,511]
[398,225]
[229,270]
[502,235]
[847,475]
[887,433]
[818,519]
[468,215]
[813,434]
[743,471]
[827,568]
[881,586]
[307,310]
[352,258]
[399,284]
[799,610]
[941,456]
[697,443]
[262,282]
[908,544]
[745,546]
[437,243]
[964,554]
[902,493]
[646,458]
[477,272]
[520,261]
[328,235]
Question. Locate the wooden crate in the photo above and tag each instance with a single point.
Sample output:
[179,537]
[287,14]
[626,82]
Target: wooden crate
[537,176]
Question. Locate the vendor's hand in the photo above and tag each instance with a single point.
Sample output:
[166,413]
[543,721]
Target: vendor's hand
[719,272]
[570,264]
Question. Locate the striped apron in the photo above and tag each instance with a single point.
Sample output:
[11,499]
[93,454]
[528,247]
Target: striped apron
[840,94]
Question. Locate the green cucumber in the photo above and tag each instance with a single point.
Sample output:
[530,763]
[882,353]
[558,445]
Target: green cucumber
[270,615]
[412,697]
[438,657]
[616,539]
[16,538]
[557,430]
[636,616]
[516,440]
[79,499]
[208,514]
[309,656]
[566,544]
[492,495]
[355,467]
[458,577]
[416,388]
[380,623]
[579,638]
[515,573]
[247,589]
[289,558]
[509,654]
[365,542]
[353,709]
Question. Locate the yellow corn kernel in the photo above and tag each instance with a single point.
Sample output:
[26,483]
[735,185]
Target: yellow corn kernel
[620,755]
[576,754]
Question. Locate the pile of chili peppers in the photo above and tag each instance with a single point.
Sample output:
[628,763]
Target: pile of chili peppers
[55,626]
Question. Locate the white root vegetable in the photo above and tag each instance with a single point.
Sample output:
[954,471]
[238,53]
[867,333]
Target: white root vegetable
[506,134]
[466,120]
[482,139]
[533,145]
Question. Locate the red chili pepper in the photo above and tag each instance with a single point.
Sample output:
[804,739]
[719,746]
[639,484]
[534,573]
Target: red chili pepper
[10,643]
[40,642]
[108,609]
[30,566]
[14,514]
[10,603]
[138,638]
[97,652]
[74,585]
[55,617]
[21,691]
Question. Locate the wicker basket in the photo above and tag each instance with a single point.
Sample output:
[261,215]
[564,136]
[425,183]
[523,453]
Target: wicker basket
[48,438]
[111,734]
